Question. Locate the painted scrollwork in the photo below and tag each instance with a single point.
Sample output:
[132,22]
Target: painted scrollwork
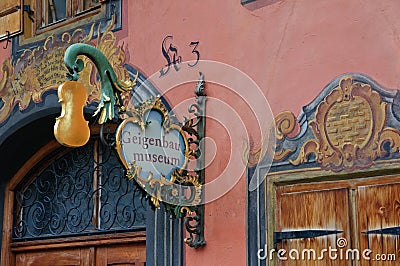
[345,128]
[42,69]
[389,141]
[285,125]
[349,129]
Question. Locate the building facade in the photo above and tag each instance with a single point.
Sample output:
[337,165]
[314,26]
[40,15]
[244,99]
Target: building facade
[300,147]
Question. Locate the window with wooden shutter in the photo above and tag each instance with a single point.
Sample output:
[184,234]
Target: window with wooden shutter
[311,218]
[334,181]
[10,18]
[348,216]
[43,18]
[379,219]
[51,13]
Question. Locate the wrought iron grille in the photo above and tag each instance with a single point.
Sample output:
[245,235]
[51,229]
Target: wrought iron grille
[85,191]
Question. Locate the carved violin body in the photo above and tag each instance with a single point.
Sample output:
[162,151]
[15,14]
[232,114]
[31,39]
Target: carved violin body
[71,129]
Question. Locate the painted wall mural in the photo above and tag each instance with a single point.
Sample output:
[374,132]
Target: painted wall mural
[337,158]
[42,69]
[352,123]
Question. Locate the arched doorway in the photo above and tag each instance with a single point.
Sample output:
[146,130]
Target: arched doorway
[27,143]
[74,207]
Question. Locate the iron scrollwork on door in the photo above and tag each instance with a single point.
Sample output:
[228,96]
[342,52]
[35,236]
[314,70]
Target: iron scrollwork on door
[81,192]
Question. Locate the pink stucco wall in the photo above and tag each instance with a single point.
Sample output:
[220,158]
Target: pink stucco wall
[286,47]
[4,53]
[291,49]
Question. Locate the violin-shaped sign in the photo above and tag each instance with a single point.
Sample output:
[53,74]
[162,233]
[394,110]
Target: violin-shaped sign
[71,129]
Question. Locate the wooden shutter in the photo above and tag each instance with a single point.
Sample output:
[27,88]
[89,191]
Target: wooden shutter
[303,215]
[379,220]
[10,18]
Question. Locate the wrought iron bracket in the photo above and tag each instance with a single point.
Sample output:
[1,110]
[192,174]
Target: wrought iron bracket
[195,223]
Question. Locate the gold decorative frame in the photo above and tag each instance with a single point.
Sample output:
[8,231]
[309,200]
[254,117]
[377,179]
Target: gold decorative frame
[158,187]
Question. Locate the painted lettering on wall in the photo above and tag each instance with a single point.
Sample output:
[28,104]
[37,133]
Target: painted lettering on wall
[170,53]
[50,70]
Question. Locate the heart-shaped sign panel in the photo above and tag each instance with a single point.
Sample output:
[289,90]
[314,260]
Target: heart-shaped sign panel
[156,150]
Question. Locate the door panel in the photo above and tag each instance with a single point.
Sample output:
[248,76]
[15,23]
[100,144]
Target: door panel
[128,254]
[122,255]
[54,257]
[312,210]
[379,208]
